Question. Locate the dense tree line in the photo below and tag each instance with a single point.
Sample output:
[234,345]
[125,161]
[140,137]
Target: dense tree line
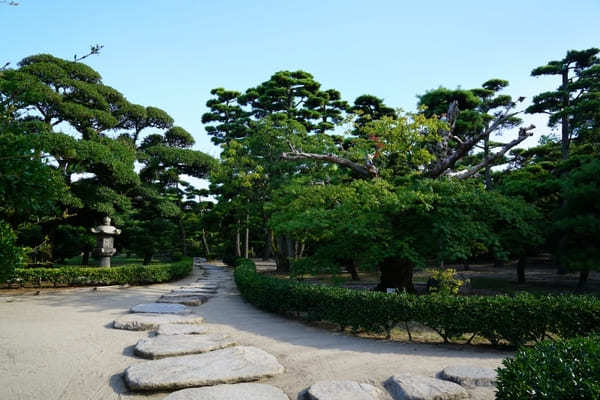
[315,181]
[400,190]
[74,150]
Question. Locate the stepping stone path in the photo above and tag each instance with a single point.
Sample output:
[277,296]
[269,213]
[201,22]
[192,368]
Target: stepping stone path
[245,391]
[185,299]
[146,322]
[186,355]
[162,346]
[469,376]
[161,308]
[412,387]
[343,390]
[231,365]
[202,366]
[181,329]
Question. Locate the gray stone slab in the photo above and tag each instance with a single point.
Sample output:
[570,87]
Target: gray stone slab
[343,390]
[162,346]
[185,300]
[412,387]
[199,285]
[240,391]
[470,376]
[195,290]
[145,322]
[160,308]
[181,329]
[230,365]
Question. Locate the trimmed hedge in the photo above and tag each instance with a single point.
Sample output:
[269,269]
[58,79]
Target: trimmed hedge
[561,370]
[95,276]
[513,320]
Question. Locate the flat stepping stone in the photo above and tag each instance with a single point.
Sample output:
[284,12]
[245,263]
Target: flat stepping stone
[230,365]
[195,290]
[185,300]
[469,376]
[206,285]
[412,387]
[160,308]
[181,329]
[146,322]
[240,391]
[343,390]
[162,346]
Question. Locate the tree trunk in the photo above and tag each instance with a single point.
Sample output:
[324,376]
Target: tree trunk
[565,119]
[396,274]
[486,154]
[352,268]
[282,255]
[205,243]
[268,250]
[238,249]
[86,258]
[521,269]
[583,277]
[147,258]
[183,237]
[246,244]
[302,248]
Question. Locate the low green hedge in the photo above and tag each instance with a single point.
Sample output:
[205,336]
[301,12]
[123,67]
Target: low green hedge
[513,320]
[95,276]
[560,370]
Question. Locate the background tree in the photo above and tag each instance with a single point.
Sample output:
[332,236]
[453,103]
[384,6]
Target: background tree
[88,135]
[574,104]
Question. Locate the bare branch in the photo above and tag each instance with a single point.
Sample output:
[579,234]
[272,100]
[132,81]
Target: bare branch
[446,161]
[524,133]
[94,49]
[367,170]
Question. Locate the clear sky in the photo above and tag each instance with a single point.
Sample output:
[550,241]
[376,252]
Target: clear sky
[170,54]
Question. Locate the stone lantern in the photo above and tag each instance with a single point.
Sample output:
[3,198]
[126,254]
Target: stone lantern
[105,242]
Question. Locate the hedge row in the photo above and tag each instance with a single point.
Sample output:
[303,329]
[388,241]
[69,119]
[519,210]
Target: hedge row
[561,370]
[513,320]
[95,276]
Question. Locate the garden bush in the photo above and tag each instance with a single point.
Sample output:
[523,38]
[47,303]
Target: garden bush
[94,276]
[503,319]
[10,253]
[553,370]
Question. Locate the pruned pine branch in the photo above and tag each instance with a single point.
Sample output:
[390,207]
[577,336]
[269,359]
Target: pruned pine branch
[94,49]
[446,157]
[365,170]
[524,133]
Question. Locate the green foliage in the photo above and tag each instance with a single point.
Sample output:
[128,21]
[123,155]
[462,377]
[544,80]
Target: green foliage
[445,281]
[574,104]
[579,218]
[94,276]
[513,320]
[11,255]
[553,370]
[371,221]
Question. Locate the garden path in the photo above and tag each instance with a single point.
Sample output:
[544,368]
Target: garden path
[60,344]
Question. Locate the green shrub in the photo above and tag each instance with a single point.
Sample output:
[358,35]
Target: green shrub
[444,281]
[504,319]
[10,254]
[94,276]
[560,370]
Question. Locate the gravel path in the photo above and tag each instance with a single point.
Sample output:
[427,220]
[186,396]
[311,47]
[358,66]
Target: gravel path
[60,345]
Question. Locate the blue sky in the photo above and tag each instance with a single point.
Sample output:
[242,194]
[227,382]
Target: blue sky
[170,54]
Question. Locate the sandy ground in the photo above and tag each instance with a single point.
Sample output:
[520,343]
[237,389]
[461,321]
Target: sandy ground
[60,345]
